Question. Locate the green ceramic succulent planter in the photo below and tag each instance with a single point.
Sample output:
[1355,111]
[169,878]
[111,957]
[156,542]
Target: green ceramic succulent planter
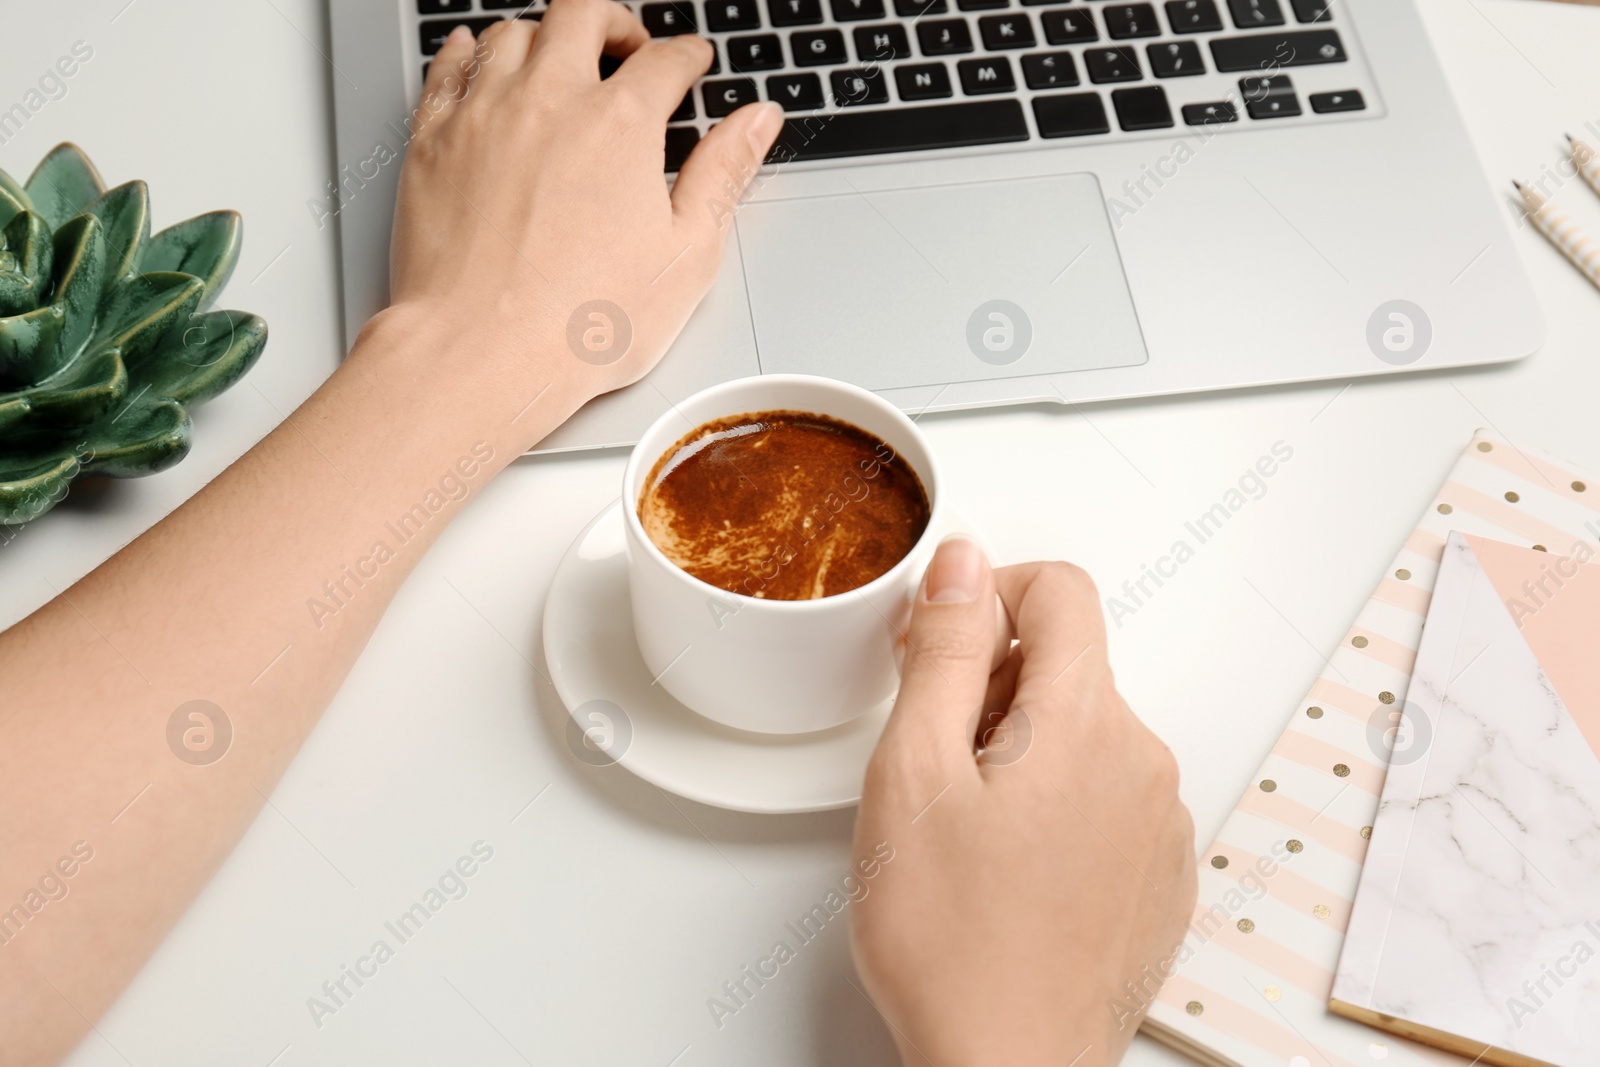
[105,340]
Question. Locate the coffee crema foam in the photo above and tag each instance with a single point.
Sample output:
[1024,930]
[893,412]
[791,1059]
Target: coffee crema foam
[783,505]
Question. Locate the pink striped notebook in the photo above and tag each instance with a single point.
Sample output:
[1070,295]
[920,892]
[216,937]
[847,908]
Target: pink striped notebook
[1251,983]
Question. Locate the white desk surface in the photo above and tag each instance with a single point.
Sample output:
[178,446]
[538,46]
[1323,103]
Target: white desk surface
[608,915]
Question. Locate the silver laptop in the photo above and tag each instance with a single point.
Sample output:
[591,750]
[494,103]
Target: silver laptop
[987,202]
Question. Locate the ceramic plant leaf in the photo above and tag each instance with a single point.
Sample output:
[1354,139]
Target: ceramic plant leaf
[12,198]
[62,184]
[26,254]
[105,336]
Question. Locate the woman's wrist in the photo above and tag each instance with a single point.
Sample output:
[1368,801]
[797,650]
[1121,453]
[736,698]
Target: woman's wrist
[463,373]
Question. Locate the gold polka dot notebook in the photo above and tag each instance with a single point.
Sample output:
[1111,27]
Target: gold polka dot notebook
[1250,984]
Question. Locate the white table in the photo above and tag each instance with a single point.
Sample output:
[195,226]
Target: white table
[608,914]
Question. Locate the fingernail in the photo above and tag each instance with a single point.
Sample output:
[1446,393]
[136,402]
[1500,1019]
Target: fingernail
[460,35]
[957,573]
[764,126]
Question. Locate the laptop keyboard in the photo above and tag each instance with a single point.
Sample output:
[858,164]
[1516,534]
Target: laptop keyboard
[872,77]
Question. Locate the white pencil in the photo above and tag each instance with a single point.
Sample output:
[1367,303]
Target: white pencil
[1562,232]
[1587,162]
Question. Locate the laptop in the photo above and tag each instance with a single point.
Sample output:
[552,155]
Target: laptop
[991,202]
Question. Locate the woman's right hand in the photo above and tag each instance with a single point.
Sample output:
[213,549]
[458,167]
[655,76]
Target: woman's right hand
[1026,885]
[535,227]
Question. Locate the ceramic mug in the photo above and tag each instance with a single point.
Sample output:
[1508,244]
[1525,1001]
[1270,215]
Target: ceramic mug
[775,666]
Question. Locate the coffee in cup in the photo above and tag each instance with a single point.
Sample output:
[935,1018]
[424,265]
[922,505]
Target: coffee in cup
[783,505]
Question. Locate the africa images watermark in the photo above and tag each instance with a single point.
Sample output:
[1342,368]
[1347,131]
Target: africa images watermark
[1550,179]
[853,888]
[1140,991]
[1252,485]
[52,886]
[453,485]
[49,87]
[1555,574]
[1562,971]
[1137,192]
[337,992]
[339,194]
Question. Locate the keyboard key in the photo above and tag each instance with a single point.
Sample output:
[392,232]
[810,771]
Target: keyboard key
[726,97]
[1209,114]
[852,87]
[685,110]
[856,10]
[1264,51]
[443,7]
[1073,26]
[907,129]
[1040,3]
[1276,107]
[680,142]
[434,33]
[1312,10]
[923,81]
[1006,31]
[1131,20]
[504,5]
[1144,108]
[1194,16]
[992,74]
[818,48]
[1269,97]
[946,37]
[716,59]
[668,20]
[1256,14]
[912,9]
[725,15]
[981,5]
[1112,64]
[794,12]
[1346,100]
[882,42]
[1175,59]
[1049,70]
[1070,115]
[763,52]
[795,92]
[1259,87]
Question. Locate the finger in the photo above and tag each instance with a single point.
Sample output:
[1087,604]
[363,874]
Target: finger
[1061,632]
[446,82]
[573,34]
[721,166]
[997,699]
[662,71]
[502,50]
[949,646]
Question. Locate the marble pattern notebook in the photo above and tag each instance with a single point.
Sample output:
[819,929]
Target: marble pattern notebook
[1476,926]
[1250,984]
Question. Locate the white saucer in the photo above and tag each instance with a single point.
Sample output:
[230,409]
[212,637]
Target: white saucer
[618,716]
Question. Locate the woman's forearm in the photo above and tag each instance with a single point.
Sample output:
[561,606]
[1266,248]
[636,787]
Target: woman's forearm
[256,596]
[530,191]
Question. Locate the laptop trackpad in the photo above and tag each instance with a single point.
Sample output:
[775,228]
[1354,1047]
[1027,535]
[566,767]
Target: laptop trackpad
[939,284]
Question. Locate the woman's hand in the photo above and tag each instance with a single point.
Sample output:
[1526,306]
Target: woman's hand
[1029,883]
[534,218]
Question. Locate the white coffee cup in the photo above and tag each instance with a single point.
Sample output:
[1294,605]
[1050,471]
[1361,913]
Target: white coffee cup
[774,666]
